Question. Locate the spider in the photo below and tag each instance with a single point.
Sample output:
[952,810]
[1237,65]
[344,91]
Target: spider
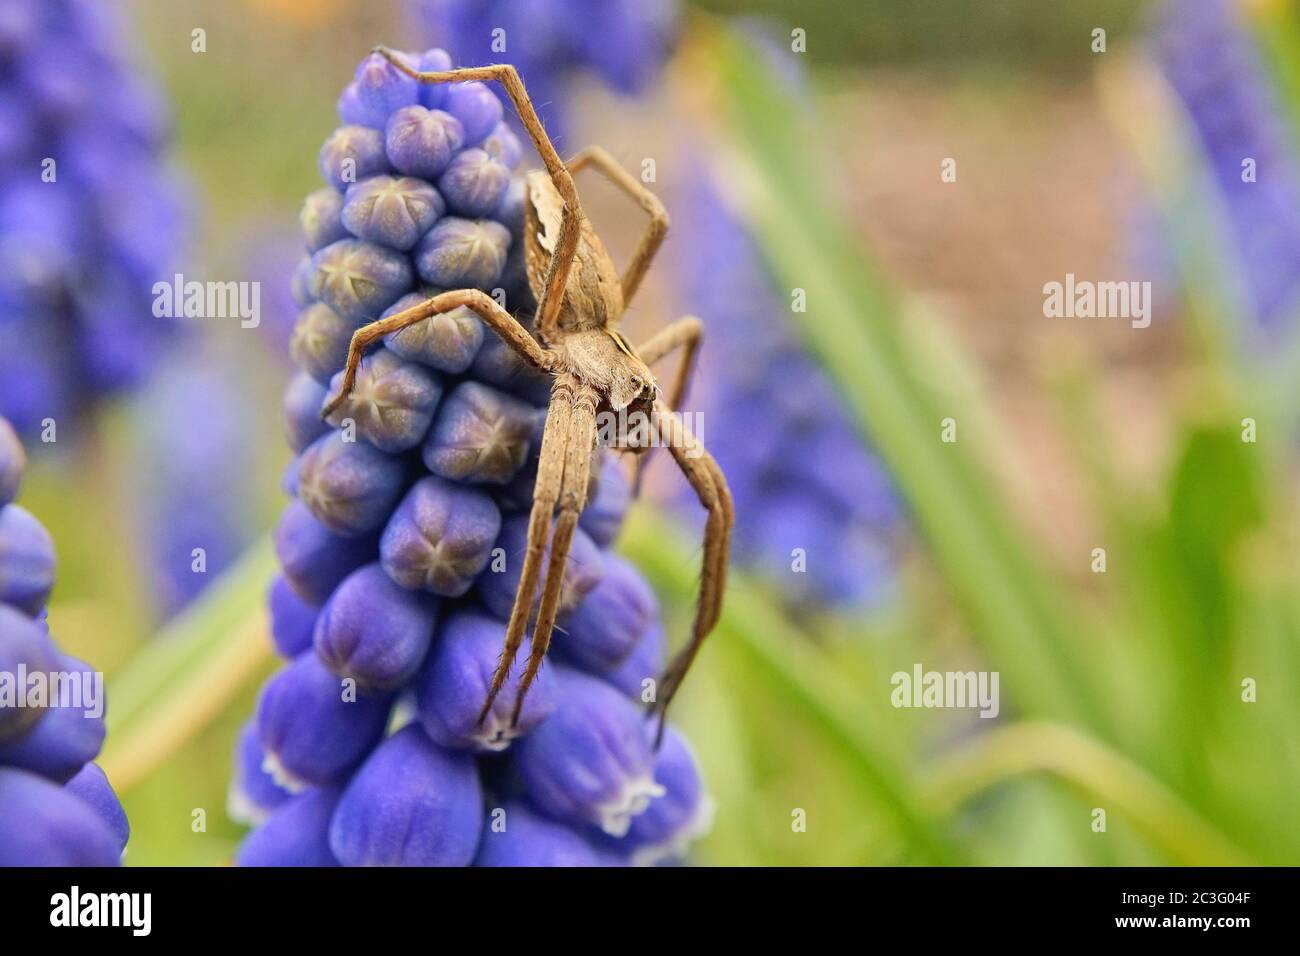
[580,298]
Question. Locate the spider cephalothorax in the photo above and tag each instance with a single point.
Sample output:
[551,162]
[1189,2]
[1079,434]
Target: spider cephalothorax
[580,296]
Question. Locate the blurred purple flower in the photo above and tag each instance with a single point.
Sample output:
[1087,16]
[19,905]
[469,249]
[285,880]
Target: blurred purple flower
[195,437]
[803,479]
[89,217]
[1212,64]
[623,43]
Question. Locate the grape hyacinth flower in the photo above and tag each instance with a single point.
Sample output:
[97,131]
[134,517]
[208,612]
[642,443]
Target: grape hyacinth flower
[805,484]
[192,423]
[402,546]
[56,807]
[623,43]
[89,219]
[1211,63]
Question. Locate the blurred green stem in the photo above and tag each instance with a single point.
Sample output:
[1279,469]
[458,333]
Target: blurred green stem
[1103,776]
[789,663]
[190,671]
[1016,610]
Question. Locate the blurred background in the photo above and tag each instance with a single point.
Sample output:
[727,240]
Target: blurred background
[867,203]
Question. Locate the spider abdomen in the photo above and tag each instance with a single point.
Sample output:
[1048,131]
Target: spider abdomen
[593,295]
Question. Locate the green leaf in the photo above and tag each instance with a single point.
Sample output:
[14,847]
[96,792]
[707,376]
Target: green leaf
[792,669]
[192,668]
[1018,613]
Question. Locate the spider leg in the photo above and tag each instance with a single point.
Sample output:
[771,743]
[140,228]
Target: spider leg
[566,247]
[653,237]
[710,486]
[686,333]
[573,498]
[546,492]
[495,317]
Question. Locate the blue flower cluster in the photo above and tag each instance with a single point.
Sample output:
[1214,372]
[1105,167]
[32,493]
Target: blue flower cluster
[56,807]
[1213,66]
[88,219]
[402,548]
[622,42]
[815,508]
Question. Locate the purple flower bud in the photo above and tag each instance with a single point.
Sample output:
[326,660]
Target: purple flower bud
[503,145]
[392,402]
[390,210]
[91,785]
[515,835]
[454,682]
[440,537]
[293,620]
[601,633]
[351,154]
[360,279]
[480,435]
[13,461]
[582,571]
[26,560]
[518,494]
[381,88]
[72,731]
[447,341]
[42,824]
[253,793]
[421,142]
[474,183]
[350,486]
[643,668]
[432,95]
[24,646]
[302,282]
[374,631]
[319,343]
[289,479]
[590,761]
[296,834]
[353,112]
[315,560]
[477,108]
[463,253]
[322,219]
[302,404]
[314,726]
[499,364]
[511,212]
[603,516]
[410,804]
[683,814]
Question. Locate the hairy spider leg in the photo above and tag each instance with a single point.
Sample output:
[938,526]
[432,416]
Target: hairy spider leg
[573,499]
[546,494]
[557,273]
[653,237]
[495,317]
[686,333]
[704,475]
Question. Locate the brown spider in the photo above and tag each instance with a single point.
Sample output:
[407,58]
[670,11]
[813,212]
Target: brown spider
[580,297]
